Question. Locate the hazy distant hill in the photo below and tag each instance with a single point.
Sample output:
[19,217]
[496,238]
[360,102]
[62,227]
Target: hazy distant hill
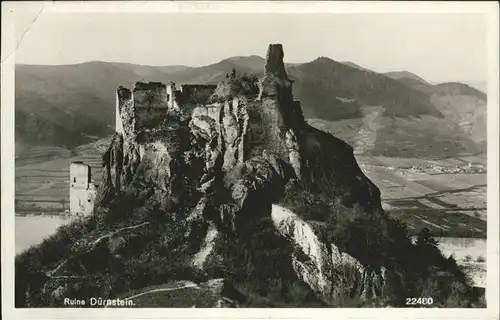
[478,85]
[214,73]
[354,65]
[456,88]
[150,72]
[461,104]
[70,105]
[65,105]
[465,106]
[398,75]
[332,91]
[326,88]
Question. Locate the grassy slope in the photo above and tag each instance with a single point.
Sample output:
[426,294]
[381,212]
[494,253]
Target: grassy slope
[425,137]
[319,84]
[71,101]
[461,105]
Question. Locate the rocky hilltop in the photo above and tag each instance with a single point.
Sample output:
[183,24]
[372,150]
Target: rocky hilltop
[236,195]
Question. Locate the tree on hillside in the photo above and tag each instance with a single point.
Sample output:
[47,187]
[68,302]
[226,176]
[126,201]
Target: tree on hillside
[424,238]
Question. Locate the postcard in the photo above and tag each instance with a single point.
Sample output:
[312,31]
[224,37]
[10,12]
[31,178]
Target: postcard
[282,159]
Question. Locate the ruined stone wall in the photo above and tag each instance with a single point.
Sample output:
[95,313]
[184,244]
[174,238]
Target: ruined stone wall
[90,199]
[275,81]
[149,118]
[150,104]
[124,117]
[82,192]
[172,96]
[197,93]
[150,95]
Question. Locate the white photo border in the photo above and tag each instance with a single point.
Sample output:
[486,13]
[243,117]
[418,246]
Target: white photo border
[491,14]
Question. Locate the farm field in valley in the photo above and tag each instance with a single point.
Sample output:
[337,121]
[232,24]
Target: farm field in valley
[44,186]
[448,204]
[452,206]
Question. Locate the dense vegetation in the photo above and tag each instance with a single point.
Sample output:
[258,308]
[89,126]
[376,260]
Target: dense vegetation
[236,85]
[152,255]
[259,261]
[415,269]
[257,266]
[32,129]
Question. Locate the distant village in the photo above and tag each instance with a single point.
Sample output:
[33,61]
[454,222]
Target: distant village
[439,169]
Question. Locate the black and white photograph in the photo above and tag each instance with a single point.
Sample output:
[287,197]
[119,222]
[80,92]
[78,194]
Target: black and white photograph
[198,157]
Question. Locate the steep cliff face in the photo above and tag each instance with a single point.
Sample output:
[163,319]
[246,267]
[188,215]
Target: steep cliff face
[332,274]
[206,182]
[252,147]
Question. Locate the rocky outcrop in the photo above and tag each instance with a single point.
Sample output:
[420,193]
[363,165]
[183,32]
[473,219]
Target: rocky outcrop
[206,179]
[222,127]
[275,81]
[332,274]
[234,157]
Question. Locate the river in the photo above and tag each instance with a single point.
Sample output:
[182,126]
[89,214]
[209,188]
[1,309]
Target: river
[31,229]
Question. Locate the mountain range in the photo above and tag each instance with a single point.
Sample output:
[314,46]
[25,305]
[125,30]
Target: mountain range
[70,105]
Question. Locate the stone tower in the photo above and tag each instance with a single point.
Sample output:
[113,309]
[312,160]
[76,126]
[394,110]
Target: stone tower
[81,192]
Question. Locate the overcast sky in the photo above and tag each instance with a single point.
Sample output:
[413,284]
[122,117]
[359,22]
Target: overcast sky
[437,47]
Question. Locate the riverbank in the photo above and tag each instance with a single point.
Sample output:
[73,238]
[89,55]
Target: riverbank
[32,229]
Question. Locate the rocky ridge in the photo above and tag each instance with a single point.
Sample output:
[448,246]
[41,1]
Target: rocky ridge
[256,145]
[216,184]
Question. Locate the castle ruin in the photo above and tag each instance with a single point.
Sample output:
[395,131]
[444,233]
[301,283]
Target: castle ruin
[148,103]
[144,107]
[82,191]
[150,107]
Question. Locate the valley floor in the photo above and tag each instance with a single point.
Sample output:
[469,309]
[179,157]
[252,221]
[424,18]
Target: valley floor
[447,203]
[428,193]
[43,185]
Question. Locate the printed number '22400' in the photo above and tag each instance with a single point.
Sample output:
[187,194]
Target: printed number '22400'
[419,301]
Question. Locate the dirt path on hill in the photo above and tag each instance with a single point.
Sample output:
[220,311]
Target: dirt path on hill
[367,134]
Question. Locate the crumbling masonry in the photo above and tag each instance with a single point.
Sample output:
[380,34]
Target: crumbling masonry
[149,103]
[82,191]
